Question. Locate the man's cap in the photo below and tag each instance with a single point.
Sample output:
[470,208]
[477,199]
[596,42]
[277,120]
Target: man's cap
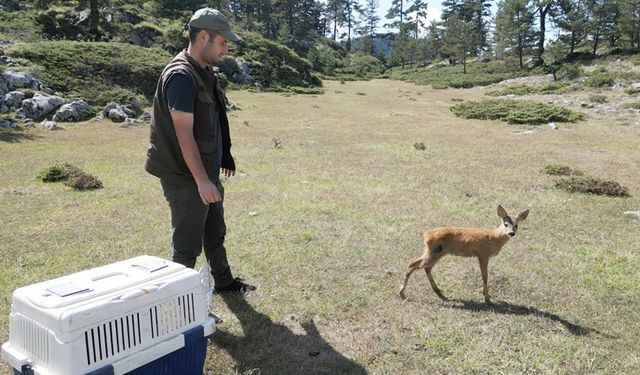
[211,19]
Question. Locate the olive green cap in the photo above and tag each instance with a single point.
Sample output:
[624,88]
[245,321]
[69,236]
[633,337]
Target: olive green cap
[211,19]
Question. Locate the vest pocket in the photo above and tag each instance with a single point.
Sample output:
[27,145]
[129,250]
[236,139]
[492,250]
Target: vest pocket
[206,148]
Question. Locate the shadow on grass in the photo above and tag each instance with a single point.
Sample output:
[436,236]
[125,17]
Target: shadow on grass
[15,136]
[273,348]
[511,309]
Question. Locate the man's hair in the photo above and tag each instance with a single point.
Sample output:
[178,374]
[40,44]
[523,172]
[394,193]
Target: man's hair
[193,33]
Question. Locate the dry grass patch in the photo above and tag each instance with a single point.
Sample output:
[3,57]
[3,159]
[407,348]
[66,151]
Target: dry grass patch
[591,185]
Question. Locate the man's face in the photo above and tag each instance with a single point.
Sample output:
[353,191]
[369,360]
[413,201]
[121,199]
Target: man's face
[215,48]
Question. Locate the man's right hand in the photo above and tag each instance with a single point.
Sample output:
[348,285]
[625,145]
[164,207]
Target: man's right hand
[209,192]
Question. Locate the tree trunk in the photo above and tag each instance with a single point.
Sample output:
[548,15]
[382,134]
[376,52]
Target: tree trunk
[94,16]
[543,30]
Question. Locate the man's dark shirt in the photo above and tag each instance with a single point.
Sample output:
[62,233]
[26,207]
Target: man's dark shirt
[181,96]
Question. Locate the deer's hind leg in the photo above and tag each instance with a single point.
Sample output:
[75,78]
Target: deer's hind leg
[426,261]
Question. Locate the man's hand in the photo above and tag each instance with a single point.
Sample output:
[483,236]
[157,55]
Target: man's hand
[227,172]
[209,192]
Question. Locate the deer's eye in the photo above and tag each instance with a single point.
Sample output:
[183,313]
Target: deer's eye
[506,225]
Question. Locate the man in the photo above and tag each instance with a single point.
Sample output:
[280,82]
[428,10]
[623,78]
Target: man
[190,147]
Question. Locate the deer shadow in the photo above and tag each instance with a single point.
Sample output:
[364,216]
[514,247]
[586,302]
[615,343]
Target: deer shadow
[273,348]
[507,308]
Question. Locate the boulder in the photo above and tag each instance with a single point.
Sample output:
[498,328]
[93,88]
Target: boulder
[39,106]
[77,110]
[10,81]
[8,123]
[236,70]
[11,100]
[117,112]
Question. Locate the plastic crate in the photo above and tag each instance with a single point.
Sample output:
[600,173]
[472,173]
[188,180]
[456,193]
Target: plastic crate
[142,314]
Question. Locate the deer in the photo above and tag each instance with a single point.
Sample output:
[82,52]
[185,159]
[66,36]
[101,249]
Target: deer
[467,242]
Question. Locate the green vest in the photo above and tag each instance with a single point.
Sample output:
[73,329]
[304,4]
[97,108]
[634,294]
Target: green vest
[164,157]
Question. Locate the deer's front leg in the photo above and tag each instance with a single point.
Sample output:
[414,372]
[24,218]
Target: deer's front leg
[483,269]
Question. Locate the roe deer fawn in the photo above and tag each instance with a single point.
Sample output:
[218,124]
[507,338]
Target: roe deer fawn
[466,242]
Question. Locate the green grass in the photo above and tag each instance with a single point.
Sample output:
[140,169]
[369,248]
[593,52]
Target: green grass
[444,76]
[515,111]
[549,88]
[340,209]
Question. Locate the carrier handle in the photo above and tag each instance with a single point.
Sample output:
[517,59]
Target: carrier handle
[138,292]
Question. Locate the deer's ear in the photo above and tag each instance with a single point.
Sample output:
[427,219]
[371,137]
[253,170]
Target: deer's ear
[501,212]
[522,215]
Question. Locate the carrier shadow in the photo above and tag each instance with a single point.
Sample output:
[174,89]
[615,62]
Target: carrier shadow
[272,348]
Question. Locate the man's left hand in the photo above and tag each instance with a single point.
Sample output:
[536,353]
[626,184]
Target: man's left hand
[227,172]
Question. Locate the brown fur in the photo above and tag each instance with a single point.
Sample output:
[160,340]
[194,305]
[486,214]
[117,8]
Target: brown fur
[467,242]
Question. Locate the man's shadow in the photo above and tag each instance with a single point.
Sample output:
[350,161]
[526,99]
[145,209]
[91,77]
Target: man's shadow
[273,348]
[511,309]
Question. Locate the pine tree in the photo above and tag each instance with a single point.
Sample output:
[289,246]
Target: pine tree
[602,15]
[459,39]
[542,9]
[419,19]
[630,22]
[369,26]
[514,28]
[571,18]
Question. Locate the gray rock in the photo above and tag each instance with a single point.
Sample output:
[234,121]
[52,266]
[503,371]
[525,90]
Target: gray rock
[49,125]
[4,108]
[12,99]
[8,123]
[39,106]
[145,117]
[553,125]
[10,81]
[117,114]
[77,110]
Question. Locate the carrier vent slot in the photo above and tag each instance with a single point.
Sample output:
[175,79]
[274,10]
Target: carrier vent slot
[32,337]
[111,338]
[171,315]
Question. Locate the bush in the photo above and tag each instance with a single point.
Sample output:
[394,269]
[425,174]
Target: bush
[598,99]
[631,91]
[599,78]
[59,172]
[362,66]
[632,105]
[71,176]
[84,181]
[86,69]
[515,111]
[271,60]
[581,184]
[561,170]
[570,72]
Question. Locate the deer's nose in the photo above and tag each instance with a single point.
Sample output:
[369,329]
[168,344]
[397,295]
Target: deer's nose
[511,234]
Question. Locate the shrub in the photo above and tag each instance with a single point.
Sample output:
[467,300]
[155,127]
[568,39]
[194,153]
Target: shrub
[582,184]
[121,96]
[632,91]
[598,99]
[570,72]
[445,76]
[362,65]
[59,172]
[599,78]
[515,111]
[560,170]
[84,181]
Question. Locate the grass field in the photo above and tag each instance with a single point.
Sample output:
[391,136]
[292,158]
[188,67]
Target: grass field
[338,209]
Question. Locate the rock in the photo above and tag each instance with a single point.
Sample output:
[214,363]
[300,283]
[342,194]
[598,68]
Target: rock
[8,123]
[553,125]
[39,106]
[10,81]
[146,117]
[77,110]
[117,114]
[12,99]
[236,70]
[49,125]
[526,132]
